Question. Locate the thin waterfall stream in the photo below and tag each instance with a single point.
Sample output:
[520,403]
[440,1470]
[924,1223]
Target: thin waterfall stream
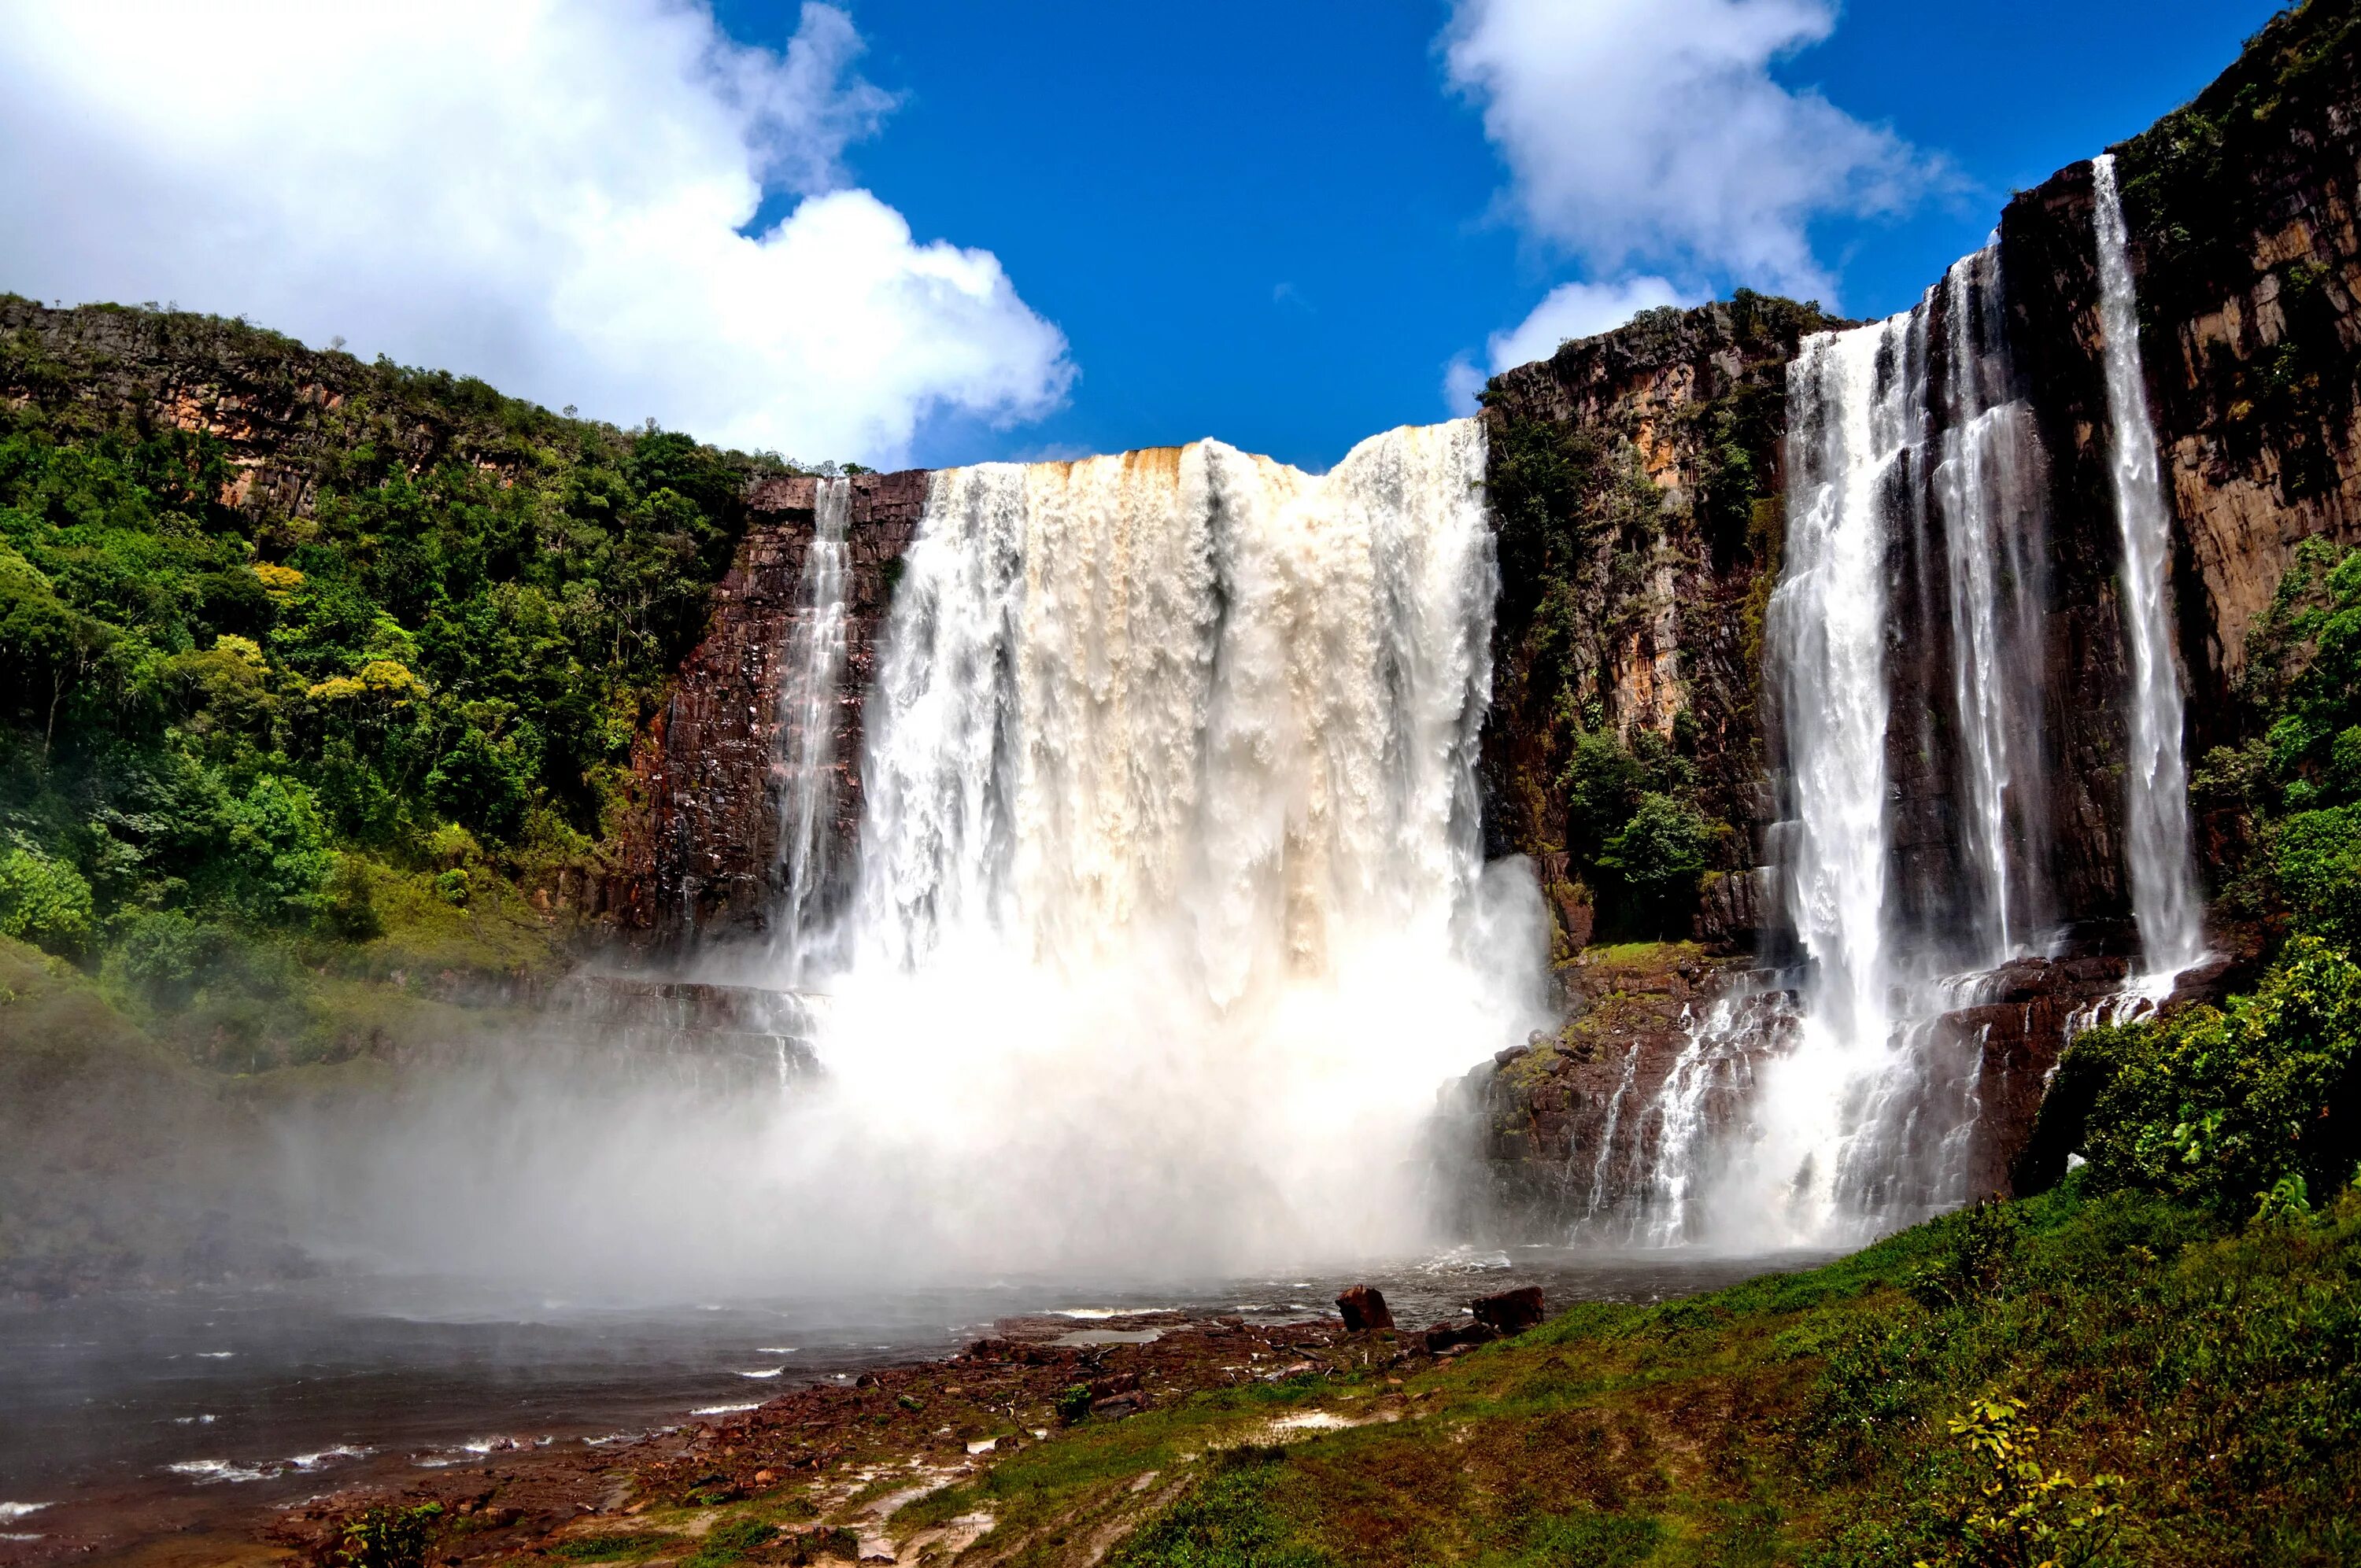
[1918,495]
[809,701]
[2164,897]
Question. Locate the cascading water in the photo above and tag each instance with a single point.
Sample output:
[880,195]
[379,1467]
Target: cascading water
[809,705]
[1917,487]
[1172,874]
[2165,899]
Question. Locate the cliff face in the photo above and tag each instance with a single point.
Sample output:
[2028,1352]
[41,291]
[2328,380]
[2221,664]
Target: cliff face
[1637,479]
[704,860]
[271,401]
[2243,208]
[2247,255]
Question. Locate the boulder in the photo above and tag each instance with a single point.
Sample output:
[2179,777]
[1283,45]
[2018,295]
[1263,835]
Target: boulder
[1511,1311]
[1364,1307]
[1442,1338]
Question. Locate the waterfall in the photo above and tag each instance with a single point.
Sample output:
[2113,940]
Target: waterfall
[1918,491]
[1988,487]
[1170,873]
[2165,899]
[808,709]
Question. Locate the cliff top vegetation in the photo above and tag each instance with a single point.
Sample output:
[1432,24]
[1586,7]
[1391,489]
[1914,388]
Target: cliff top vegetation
[314,666]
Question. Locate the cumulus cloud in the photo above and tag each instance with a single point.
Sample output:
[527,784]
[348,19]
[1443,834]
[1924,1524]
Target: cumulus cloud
[548,194]
[1651,134]
[1568,311]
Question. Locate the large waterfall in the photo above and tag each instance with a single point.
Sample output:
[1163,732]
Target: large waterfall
[1171,891]
[2165,899]
[1903,646]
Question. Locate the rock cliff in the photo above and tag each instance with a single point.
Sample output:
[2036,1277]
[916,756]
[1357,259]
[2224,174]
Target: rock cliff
[704,860]
[1640,492]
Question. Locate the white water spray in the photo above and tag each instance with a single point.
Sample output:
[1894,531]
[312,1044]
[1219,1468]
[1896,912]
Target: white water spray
[2165,899]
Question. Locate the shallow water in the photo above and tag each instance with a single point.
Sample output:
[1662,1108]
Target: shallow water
[170,1411]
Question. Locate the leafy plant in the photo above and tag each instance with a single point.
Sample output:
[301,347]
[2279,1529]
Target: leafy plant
[2023,1515]
[44,902]
[389,1537]
[2220,1106]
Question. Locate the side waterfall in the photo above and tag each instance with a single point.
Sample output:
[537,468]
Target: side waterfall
[2165,898]
[1918,489]
[809,702]
[1171,866]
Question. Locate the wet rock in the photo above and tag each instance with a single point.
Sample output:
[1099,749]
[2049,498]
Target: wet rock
[1512,1311]
[1443,1338]
[1365,1309]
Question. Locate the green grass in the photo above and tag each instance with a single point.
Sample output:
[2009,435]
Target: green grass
[1798,1418]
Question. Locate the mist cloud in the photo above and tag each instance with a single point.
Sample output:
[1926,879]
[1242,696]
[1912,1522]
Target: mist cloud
[546,195]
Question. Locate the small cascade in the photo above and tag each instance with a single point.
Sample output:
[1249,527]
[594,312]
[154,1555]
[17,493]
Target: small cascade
[2164,897]
[1987,488]
[808,711]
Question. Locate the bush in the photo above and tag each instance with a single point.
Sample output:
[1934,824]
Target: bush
[2319,867]
[44,902]
[2023,1514]
[389,1537]
[1660,854]
[2221,1107]
[278,855]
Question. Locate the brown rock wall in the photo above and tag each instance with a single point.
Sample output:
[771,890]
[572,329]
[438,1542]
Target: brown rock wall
[709,772]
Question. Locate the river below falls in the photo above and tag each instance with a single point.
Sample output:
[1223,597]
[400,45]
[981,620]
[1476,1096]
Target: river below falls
[127,1417]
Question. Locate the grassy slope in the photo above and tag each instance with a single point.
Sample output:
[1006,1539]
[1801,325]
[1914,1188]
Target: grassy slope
[1804,1419]
[122,1163]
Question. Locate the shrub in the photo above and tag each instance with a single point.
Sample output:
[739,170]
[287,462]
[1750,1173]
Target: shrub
[389,1537]
[1660,854]
[279,859]
[2319,869]
[2218,1107]
[2023,1515]
[44,902]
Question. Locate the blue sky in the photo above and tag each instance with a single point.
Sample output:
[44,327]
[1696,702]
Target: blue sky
[935,231]
[1272,221]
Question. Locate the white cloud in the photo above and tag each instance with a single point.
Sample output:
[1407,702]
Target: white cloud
[1581,310]
[544,193]
[1568,311]
[1650,133]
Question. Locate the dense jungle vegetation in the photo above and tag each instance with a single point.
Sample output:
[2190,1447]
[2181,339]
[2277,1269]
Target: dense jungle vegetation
[247,747]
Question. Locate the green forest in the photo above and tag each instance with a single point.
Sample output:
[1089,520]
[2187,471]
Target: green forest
[245,745]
